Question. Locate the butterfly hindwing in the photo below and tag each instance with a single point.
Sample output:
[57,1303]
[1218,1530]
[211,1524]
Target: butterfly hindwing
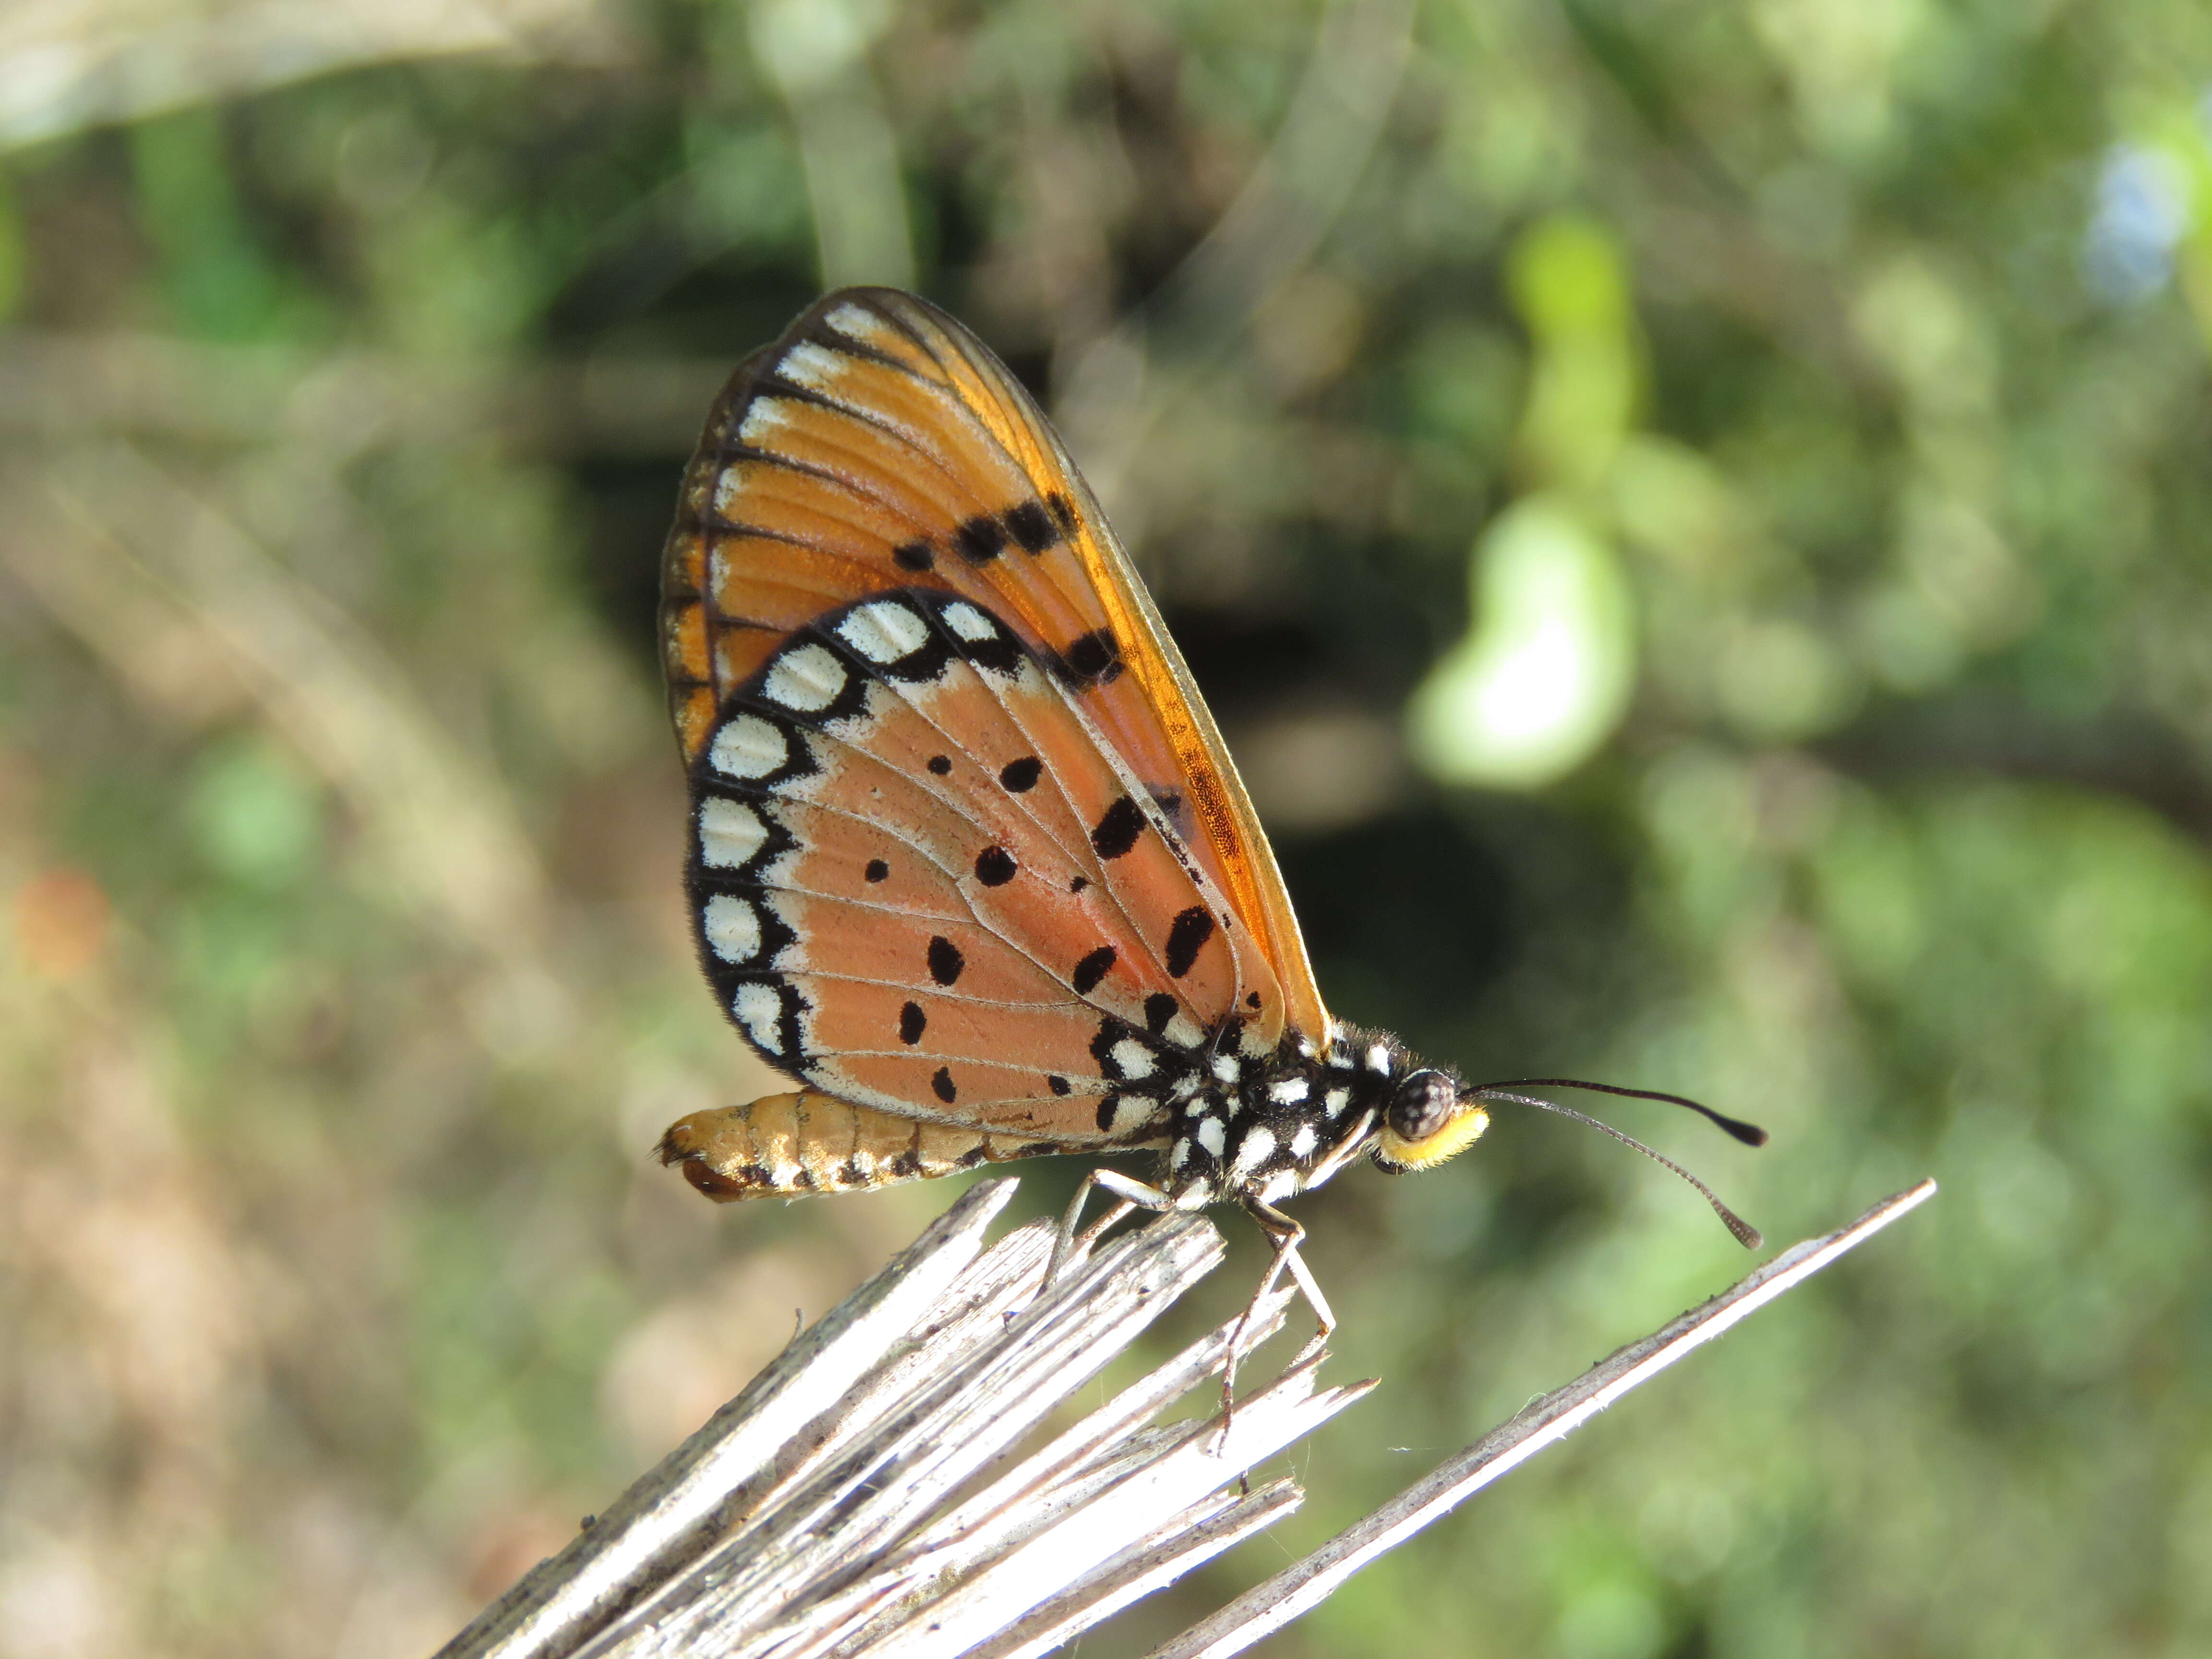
[922,883]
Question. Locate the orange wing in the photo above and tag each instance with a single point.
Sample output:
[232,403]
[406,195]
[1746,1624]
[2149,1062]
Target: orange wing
[879,446]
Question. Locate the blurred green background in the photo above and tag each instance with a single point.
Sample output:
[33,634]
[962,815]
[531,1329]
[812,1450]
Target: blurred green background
[1694,517]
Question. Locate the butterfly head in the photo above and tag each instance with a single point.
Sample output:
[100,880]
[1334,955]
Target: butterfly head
[1431,1116]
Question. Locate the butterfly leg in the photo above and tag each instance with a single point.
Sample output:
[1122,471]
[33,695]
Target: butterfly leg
[1134,1195]
[1287,1235]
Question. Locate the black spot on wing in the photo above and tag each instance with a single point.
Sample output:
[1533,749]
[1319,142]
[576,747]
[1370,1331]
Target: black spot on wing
[941,764]
[994,867]
[1063,511]
[1186,935]
[877,870]
[914,556]
[981,539]
[1089,972]
[945,961]
[1106,1112]
[912,1021]
[941,1085]
[1032,526]
[1160,1008]
[1058,1084]
[1079,883]
[1091,659]
[1118,827]
[1018,777]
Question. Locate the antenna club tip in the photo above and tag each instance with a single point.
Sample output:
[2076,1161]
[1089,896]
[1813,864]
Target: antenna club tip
[1751,1238]
[1750,1133]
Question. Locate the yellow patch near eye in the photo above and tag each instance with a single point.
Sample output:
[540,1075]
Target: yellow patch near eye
[1454,1137]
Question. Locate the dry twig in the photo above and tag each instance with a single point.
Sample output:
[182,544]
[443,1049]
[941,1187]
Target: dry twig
[866,1493]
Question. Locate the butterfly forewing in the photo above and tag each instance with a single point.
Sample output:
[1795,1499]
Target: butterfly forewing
[880,444]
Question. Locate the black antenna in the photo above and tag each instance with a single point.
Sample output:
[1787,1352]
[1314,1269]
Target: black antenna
[1750,1133]
[1744,1233]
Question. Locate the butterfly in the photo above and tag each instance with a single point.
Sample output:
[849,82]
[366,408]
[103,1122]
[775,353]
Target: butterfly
[966,852]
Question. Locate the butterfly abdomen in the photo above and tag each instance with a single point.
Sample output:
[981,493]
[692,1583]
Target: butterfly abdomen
[793,1145]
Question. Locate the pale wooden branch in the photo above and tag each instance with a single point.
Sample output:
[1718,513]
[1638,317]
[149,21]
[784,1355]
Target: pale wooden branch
[868,1493]
[1300,1587]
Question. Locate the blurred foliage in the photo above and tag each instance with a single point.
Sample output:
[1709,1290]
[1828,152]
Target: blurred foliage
[1854,352]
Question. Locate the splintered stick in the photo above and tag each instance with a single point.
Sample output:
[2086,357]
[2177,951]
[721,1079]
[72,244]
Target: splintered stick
[880,1489]
[1297,1589]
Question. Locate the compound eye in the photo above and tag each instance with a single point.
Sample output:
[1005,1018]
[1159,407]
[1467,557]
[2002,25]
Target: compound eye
[1423,1105]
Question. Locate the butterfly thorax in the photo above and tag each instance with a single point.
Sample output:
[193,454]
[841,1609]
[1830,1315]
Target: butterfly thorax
[1278,1125]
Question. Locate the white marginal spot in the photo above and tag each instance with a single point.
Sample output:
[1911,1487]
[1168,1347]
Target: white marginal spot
[1134,1058]
[1212,1136]
[968,622]
[1131,1111]
[1252,1044]
[1183,1031]
[759,1009]
[857,322]
[1336,1100]
[1288,1093]
[1303,1142]
[1259,1146]
[730,832]
[883,632]
[727,486]
[1226,1067]
[764,418]
[1181,1156]
[748,747]
[733,927]
[1378,1059]
[814,367]
[808,680]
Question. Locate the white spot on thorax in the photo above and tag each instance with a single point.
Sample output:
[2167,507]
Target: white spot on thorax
[730,832]
[1134,1058]
[883,632]
[1288,1093]
[1336,1100]
[1378,1059]
[1303,1142]
[968,622]
[1305,1049]
[1226,1067]
[748,747]
[1186,1086]
[733,928]
[1181,1156]
[808,680]
[1259,1146]
[1212,1136]
[759,1009]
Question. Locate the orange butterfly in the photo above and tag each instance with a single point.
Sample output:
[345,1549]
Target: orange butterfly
[967,853]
